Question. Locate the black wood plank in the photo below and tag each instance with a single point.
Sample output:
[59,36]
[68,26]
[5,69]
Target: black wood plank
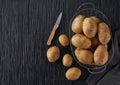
[24,29]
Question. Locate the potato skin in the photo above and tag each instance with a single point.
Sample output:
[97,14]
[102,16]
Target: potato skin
[77,51]
[84,56]
[100,55]
[63,40]
[67,60]
[95,19]
[81,41]
[95,42]
[89,27]
[103,33]
[73,73]
[77,24]
[53,54]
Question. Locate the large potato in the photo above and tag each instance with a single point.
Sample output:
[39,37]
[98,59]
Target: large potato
[84,56]
[103,33]
[73,73]
[81,41]
[89,27]
[100,55]
[77,24]
[53,54]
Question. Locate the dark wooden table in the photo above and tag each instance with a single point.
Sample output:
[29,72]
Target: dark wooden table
[24,29]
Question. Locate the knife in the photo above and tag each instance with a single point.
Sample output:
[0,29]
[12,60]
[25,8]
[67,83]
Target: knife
[54,29]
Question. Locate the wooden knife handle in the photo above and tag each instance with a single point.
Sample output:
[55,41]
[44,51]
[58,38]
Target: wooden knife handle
[51,35]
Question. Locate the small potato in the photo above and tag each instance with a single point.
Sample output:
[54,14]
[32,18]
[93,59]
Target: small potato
[89,27]
[63,39]
[77,24]
[103,33]
[53,54]
[84,56]
[95,42]
[100,55]
[95,19]
[73,73]
[67,60]
[81,41]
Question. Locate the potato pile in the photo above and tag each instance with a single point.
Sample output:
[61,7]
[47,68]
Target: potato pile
[53,54]
[90,40]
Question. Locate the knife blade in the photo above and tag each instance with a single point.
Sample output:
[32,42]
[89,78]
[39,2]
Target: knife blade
[58,19]
[52,34]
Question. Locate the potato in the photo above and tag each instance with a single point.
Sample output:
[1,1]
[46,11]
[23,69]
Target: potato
[77,24]
[53,54]
[84,56]
[103,33]
[89,27]
[95,19]
[95,42]
[100,55]
[63,39]
[77,51]
[67,60]
[81,41]
[73,73]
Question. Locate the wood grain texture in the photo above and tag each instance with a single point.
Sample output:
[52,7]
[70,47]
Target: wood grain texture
[25,26]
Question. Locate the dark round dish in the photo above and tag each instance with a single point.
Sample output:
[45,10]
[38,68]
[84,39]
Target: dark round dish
[92,12]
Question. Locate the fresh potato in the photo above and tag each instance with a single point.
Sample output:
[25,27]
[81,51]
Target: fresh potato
[67,60]
[89,27]
[100,55]
[95,19]
[81,41]
[95,42]
[103,33]
[73,73]
[77,24]
[84,56]
[63,39]
[53,54]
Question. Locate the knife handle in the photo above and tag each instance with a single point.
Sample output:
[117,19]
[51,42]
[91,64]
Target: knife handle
[51,35]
